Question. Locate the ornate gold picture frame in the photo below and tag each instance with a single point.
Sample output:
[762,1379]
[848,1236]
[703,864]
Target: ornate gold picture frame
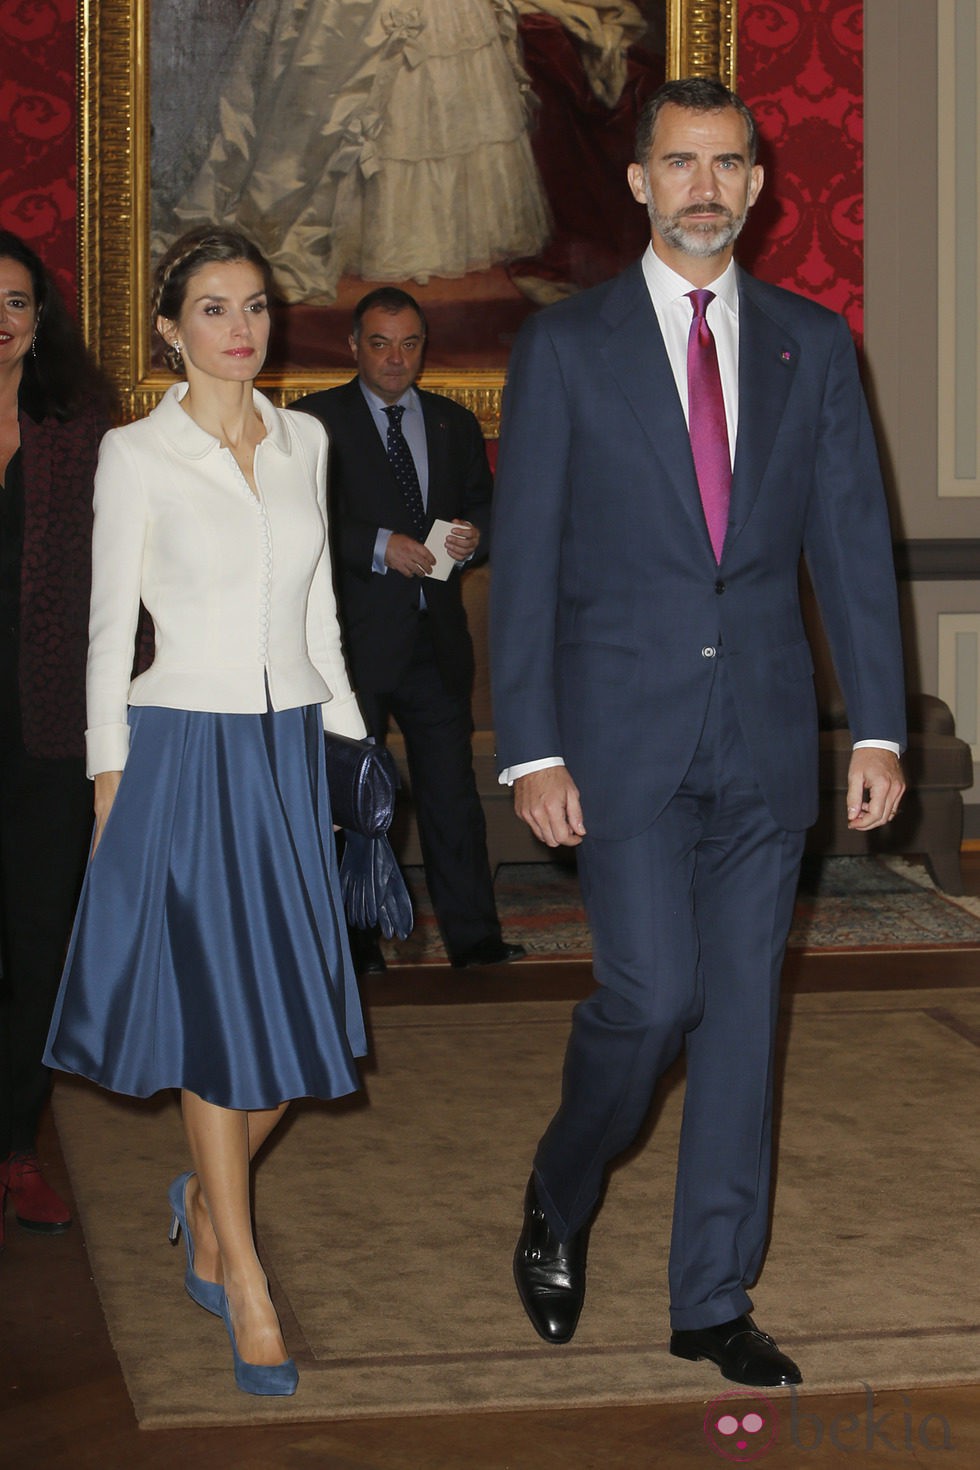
[114,202]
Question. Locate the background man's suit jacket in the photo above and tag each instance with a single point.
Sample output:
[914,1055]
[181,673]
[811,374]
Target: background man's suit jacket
[379,614]
[608,608]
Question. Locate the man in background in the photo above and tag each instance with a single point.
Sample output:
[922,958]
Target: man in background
[400,460]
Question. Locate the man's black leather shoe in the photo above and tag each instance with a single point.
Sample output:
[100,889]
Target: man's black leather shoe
[741,1351]
[550,1273]
[488,952]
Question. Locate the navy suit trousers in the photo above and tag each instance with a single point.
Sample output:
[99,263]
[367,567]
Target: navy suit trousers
[689,924]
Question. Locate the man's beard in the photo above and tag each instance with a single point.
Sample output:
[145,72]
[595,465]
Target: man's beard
[680,230]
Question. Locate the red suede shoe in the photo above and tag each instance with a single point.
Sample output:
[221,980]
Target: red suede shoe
[35,1203]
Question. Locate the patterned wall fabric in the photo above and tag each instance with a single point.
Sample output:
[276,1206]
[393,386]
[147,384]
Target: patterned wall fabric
[38,123]
[801,65]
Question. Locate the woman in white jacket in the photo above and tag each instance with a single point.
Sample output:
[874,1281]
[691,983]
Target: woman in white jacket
[209,952]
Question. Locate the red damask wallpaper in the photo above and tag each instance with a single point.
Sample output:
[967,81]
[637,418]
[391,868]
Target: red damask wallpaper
[800,70]
[38,125]
[801,65]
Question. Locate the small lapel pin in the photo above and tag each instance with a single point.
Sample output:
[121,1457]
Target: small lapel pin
[786,356]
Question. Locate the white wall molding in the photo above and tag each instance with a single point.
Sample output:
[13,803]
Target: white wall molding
[958,224]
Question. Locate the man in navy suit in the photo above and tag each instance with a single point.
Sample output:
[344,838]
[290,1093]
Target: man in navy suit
[405,632]
[654,701]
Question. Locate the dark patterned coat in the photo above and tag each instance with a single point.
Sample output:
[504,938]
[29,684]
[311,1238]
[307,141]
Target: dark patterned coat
[58,470]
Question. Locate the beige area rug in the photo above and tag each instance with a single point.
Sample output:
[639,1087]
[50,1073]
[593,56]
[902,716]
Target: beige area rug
[388,1225]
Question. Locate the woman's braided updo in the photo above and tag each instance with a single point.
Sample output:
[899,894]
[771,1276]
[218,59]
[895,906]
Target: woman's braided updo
[205,245]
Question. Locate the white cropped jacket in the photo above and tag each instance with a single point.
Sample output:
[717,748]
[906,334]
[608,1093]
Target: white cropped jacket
[239,588]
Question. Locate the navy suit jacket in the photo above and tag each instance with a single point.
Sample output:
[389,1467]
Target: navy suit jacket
[608,609]
[379,614]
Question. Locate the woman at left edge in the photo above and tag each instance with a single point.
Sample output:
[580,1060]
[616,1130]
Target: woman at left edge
[54,409]
[209,951]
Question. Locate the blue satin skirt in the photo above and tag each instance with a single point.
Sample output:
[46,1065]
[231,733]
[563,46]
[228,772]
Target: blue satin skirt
[209,950]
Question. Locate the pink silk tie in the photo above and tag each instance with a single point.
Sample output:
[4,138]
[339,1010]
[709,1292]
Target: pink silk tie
[706,421]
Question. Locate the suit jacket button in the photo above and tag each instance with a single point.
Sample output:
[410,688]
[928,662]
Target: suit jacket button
[719,586]
[708,652]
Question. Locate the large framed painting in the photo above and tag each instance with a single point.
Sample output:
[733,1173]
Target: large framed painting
[471,151]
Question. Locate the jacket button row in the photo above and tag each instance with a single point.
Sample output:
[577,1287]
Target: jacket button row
[708,652]
[719,587]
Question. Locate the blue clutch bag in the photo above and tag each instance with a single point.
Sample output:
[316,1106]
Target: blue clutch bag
[363,780]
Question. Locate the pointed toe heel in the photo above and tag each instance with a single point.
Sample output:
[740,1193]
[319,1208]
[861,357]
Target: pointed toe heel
[207,1294]
[279,1380]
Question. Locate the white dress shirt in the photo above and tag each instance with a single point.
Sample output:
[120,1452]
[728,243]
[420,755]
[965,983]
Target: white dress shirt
[669,295]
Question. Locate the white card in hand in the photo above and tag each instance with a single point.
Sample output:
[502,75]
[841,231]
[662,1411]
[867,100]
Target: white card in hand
[436,543]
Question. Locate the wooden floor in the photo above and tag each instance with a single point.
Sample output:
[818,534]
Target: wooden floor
[63,1402]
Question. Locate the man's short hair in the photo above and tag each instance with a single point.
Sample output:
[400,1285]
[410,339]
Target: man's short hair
[697,94]
[388,298]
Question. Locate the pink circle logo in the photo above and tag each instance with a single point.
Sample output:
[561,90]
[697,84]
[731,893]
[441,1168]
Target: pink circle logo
[741,1426]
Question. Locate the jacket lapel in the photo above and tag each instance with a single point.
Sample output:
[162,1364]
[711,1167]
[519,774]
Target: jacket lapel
[361,426]
[437,451]
[38,450]
[636,357]
[369,464]
[767,359]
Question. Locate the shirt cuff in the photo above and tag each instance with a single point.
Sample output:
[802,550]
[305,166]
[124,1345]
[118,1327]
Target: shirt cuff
[511,774]
[378,563]
[879,745]
[106,748]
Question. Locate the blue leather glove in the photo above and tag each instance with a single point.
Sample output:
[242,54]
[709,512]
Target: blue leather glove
[373,888]
[395,917]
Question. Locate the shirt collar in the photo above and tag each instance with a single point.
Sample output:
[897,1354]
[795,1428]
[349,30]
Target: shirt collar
[666,286]
[409,399]
[188,438]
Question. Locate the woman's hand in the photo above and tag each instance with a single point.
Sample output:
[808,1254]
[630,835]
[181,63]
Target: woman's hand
[106,786]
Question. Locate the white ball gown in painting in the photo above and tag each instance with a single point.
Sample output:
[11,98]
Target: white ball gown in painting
[358,137]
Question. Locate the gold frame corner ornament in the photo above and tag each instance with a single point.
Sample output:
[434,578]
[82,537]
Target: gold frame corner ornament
[114,186]
[702,39]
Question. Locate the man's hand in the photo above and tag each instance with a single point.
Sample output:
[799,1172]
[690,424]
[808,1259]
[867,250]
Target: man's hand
[463,540]
[548,801]
[875,787]
[410,557]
